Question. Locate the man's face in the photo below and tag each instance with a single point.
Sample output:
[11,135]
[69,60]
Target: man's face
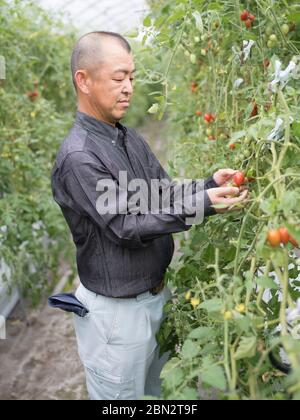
[111,86]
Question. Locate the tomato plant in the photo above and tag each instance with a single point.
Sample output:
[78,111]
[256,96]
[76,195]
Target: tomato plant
[36,111]
[246,68]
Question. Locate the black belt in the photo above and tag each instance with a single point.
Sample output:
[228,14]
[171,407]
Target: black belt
[154,291]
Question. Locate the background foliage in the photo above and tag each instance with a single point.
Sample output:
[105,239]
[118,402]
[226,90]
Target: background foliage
[233,289]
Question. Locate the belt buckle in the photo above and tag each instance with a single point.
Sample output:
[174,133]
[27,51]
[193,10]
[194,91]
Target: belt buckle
[157,289]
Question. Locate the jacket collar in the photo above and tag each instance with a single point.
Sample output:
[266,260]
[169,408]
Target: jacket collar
[100,127]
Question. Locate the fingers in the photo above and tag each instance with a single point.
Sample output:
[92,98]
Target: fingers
[226,191]
[229,172]
[242,197]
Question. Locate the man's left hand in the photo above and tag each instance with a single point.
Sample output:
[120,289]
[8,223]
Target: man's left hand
[224,176]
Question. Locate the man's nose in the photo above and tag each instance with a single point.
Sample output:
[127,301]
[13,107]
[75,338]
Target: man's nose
[128,87]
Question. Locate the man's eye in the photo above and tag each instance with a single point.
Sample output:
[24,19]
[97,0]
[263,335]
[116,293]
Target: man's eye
[118,80]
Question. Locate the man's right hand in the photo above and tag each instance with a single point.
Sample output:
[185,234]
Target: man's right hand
[227,196]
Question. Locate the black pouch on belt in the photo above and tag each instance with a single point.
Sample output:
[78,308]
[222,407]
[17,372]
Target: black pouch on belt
[68,302]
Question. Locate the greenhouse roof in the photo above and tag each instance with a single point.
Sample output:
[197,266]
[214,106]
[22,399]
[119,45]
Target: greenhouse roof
[109,15]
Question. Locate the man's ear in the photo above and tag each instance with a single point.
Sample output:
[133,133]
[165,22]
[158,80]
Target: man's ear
[81,78]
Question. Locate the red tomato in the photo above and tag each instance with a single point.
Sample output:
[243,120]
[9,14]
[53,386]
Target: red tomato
[274,238]
[207,117]
[232,146]
[33,95]
[194,87]
[284,235]
[248,23]
[244,15]
[239,179]
[198,113]
[251,17]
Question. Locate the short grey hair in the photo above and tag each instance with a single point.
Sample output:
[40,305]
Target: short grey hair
[87,51]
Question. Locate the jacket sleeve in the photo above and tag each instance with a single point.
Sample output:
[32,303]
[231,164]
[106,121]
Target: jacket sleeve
[80,177]
[207,184]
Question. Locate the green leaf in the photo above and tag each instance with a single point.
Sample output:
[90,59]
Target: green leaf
[238,135]
[243,323]
[172,373]
[179,13]
[215,377]
[147,21]
[246,349]
[294,17]
[267,283]
[203,333]
[289,202]
[212,305]
[269,206]
[189,350]
[189,393]
[214,6]
[296,129]
[174,378]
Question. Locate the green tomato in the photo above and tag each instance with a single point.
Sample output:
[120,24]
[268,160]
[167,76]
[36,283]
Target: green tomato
[273,38]
[271,44]
[193,58]
[269,30]
[285,29]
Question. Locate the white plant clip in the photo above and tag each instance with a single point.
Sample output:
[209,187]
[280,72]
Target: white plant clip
[247,45]
[277,131]
[293,314]
[282,76]
[238,83]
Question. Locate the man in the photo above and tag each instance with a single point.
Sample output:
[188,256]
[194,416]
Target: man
[121,256]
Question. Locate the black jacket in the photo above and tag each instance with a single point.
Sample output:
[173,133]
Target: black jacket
[117,254]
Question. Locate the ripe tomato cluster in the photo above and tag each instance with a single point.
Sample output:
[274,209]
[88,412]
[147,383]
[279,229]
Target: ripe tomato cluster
[33,95]
[276,237]
[209,117]
[248,18]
